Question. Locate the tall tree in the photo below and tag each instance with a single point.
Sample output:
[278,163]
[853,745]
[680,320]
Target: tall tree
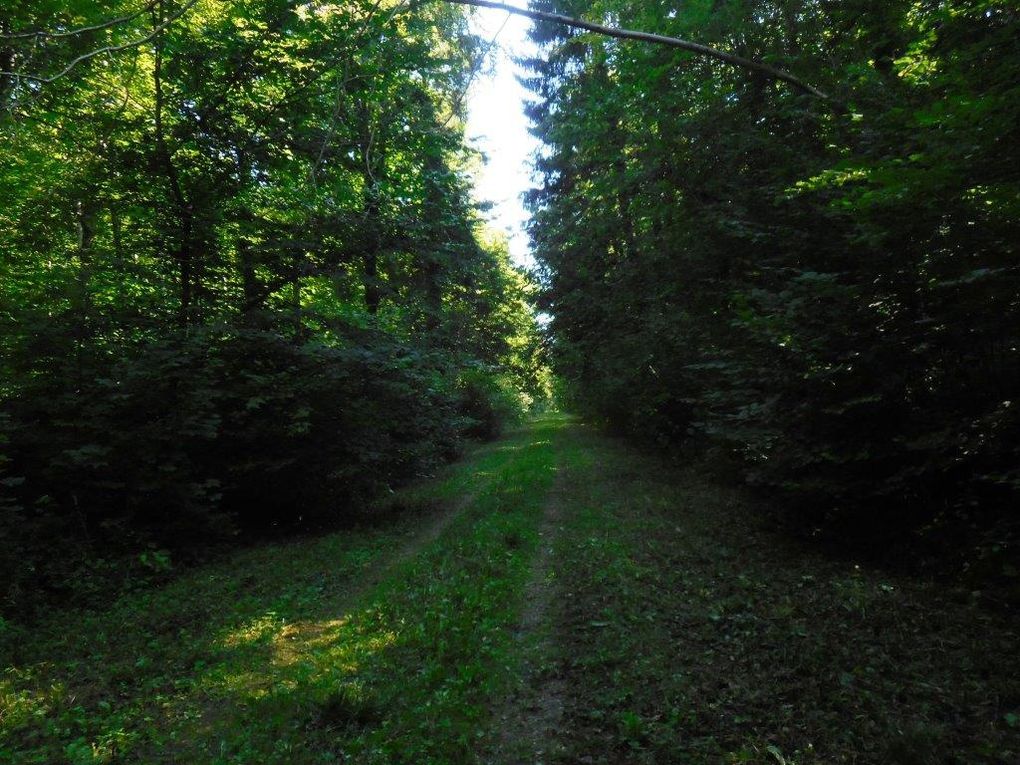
[241,271]
[830,297]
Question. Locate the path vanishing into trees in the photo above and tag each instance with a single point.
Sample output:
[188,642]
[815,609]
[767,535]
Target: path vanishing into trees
[555,597]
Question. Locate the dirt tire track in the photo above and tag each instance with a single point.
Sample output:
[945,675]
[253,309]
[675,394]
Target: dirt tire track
[528,721]
[425,534]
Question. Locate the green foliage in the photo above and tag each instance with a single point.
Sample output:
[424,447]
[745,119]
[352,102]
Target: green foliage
[383,643]
[486,402]
[690,632]
[672,627]
[828,298]
[242,284]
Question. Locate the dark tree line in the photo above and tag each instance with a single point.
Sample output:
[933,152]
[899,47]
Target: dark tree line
[830,298]
[242,281]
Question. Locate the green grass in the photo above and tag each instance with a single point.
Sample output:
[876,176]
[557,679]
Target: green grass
[282,654]
[691,633]
[680,629]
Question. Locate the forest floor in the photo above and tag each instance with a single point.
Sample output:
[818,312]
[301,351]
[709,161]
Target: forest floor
[555,597]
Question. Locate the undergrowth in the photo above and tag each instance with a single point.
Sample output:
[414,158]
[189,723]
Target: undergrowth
[692,633]
[353,646]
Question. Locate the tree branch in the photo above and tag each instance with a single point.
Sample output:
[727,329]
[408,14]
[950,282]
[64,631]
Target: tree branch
[105,49]
[672,42]
[556,18]
[80,30]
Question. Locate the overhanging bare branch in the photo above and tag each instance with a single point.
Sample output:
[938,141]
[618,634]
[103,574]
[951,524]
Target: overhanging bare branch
[672,42]
[625,34]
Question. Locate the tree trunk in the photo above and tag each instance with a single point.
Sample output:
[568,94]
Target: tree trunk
[295,298]
[370,263]
[252,295]
[86,225]
[431,268]
[7,61]
[184,211]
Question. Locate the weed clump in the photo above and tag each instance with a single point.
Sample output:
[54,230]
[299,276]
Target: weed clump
[348,706]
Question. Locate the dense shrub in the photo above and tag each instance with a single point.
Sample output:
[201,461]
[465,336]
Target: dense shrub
[200,435]
[486,402]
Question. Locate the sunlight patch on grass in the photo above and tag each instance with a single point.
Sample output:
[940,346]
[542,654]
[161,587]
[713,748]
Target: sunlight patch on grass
[257,630]
[283,654]
[19,706]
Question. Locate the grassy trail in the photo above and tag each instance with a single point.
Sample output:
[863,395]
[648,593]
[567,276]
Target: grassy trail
[552,598]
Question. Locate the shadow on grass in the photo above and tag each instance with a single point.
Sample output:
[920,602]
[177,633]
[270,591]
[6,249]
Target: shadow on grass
[283,654]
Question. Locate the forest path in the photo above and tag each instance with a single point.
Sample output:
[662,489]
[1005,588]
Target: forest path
[554,597]
[679,626]
[527,720]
